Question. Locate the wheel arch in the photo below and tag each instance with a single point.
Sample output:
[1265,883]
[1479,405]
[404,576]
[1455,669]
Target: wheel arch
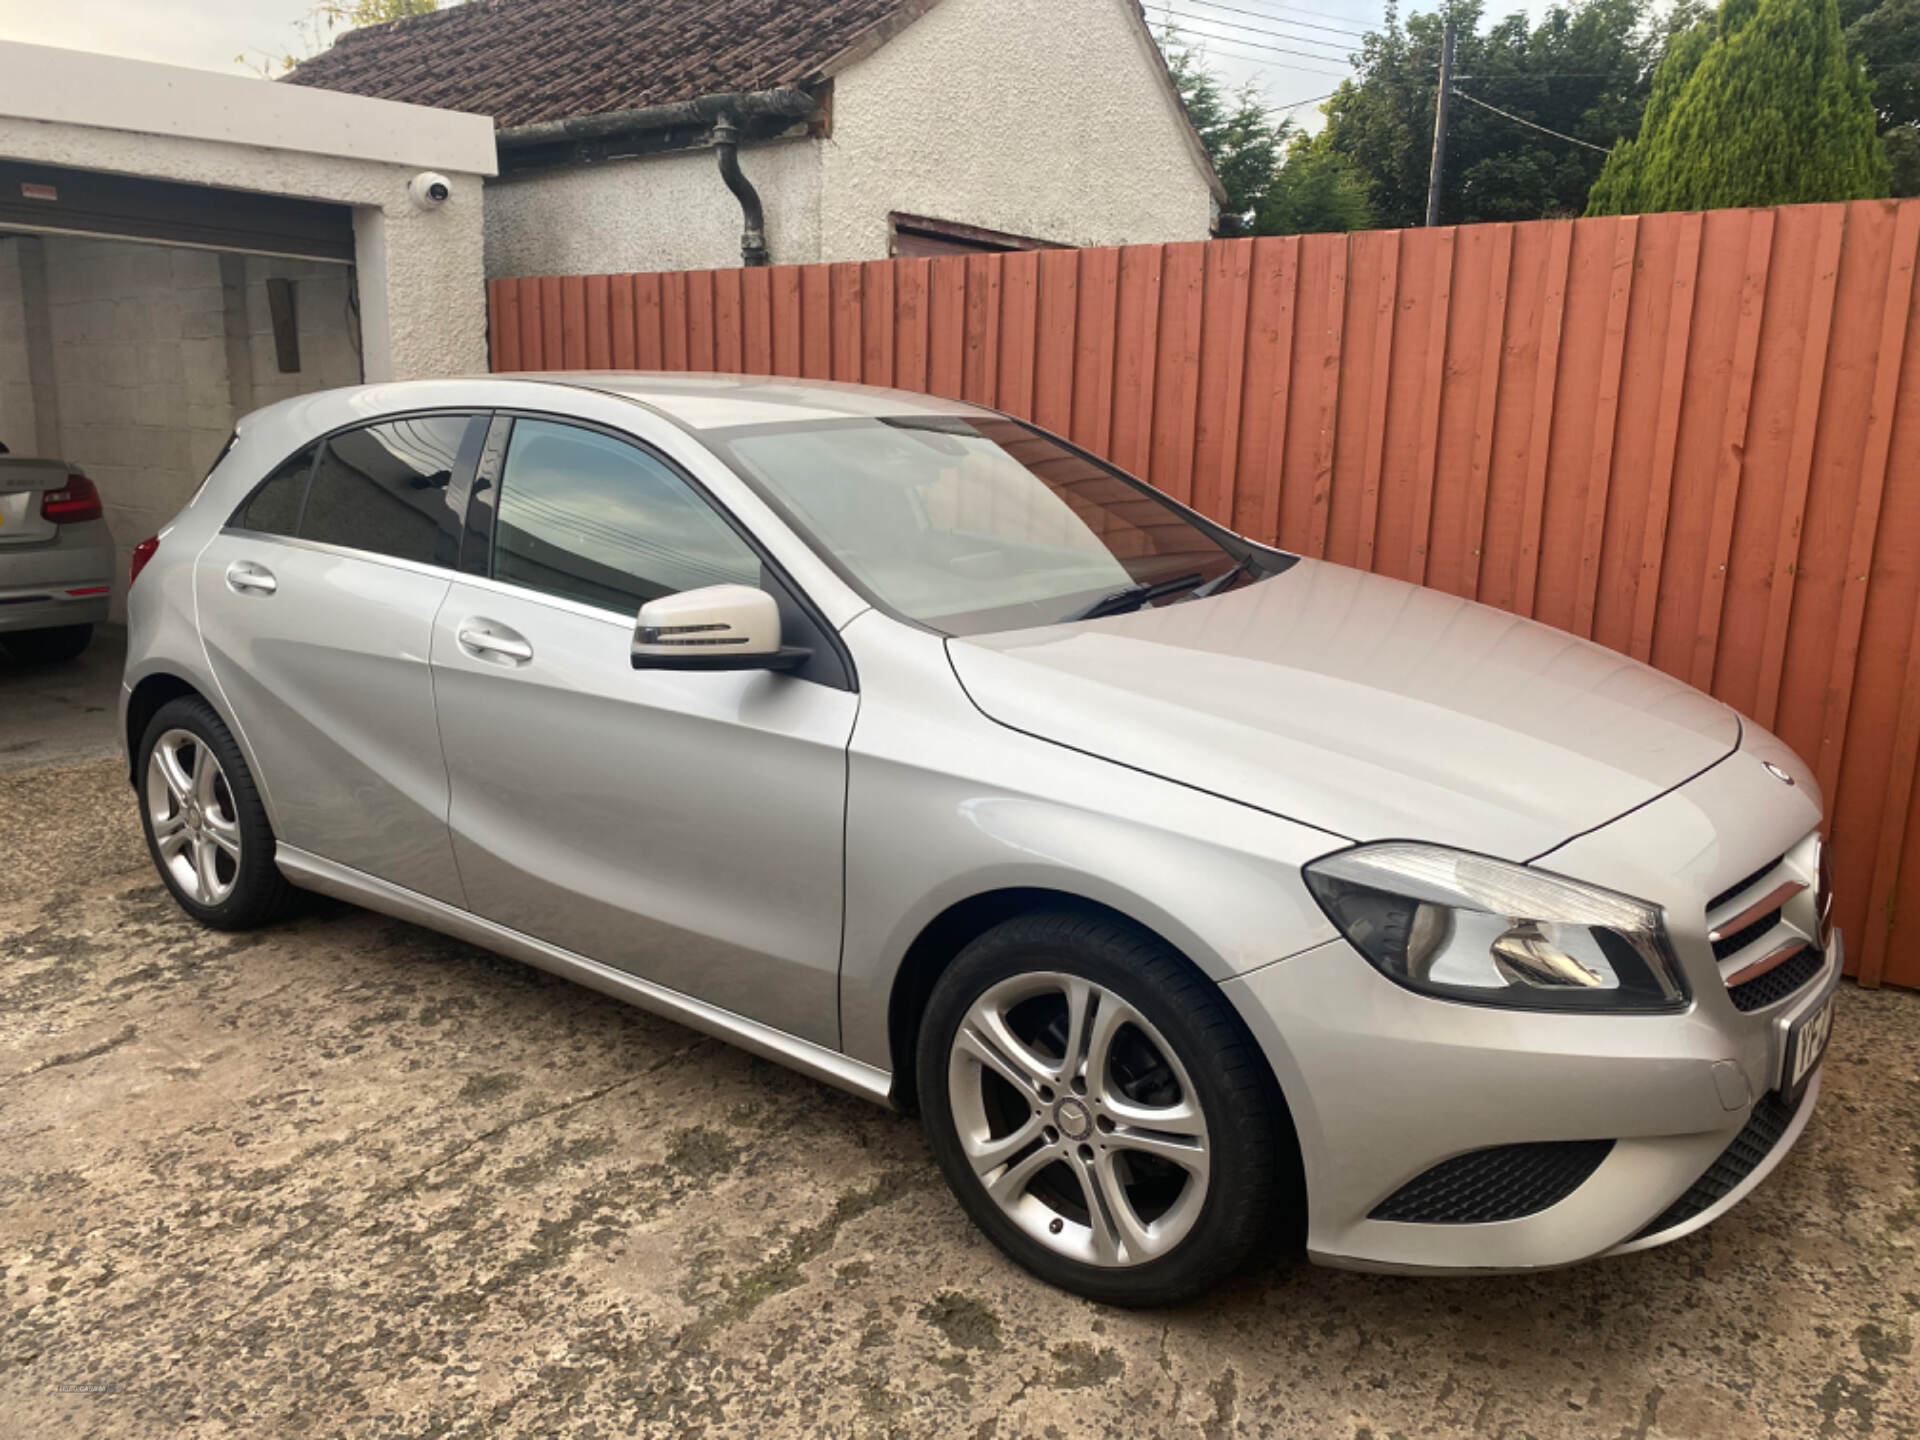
[143,703]
[942,939]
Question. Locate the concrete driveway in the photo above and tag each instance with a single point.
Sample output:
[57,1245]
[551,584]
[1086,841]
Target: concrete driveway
[346,1177]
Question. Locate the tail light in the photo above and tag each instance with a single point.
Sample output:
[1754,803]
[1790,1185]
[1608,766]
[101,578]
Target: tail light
[75,501]
[142,553]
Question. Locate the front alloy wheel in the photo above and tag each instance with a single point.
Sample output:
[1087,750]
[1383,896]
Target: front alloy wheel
[1078,1120]
[1101,1112]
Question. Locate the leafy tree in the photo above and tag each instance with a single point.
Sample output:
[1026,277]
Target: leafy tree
[1316,191]
[1242,140]
[1885,34]
[1584,70]
[1767,109]
[326,19]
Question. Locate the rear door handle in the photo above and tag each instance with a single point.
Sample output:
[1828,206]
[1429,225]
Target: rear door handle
[244,578]
[488,639]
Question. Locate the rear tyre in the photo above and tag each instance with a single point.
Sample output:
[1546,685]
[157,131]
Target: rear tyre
[47,647]
[206,828]
[1099,1109]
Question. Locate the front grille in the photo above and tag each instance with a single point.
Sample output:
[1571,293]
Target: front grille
[1778,983]
[1739,940]
[1752,880]
[1769,1121]
[1503,1183]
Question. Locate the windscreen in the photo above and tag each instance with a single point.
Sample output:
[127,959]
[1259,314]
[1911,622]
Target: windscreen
[971,525]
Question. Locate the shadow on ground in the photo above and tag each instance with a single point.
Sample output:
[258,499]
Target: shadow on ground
[346,1176]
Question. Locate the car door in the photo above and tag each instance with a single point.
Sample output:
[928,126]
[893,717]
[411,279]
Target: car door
[685,827]
[316,605]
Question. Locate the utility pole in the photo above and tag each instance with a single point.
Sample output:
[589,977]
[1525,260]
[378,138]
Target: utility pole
[1438,172]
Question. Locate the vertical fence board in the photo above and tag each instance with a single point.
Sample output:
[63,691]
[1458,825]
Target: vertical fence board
[1094,324]
[1546,377]
[729,326]
[1733,440]
[503,325]
[1666,437]
[1386,306]
[1019,331]
[1433,385]
[1873,475]
[1684,435]
[1600,470]
[623,355]
[877,320]
[1812,386]
[599,323]
[1487,405]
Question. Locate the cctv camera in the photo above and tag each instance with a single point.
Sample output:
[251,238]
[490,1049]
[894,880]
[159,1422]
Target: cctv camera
[429,191]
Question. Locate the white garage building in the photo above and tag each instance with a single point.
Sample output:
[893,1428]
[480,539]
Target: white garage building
[179,247]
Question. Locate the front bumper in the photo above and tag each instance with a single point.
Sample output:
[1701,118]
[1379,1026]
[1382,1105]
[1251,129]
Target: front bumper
[1385,1084]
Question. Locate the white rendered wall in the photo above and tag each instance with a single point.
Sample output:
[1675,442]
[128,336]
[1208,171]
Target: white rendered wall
[421,282]
[1048,120]
[665,212]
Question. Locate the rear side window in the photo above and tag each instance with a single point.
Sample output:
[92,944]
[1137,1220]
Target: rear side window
[386,489]
[595,519]
[274,508]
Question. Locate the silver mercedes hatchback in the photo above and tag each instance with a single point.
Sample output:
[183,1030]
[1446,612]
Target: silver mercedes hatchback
[1200,897]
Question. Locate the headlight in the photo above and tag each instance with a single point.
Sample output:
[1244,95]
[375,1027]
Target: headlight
[1465,927]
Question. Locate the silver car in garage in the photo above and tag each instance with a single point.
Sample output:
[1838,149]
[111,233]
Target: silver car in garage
[1201,898]
[56,559]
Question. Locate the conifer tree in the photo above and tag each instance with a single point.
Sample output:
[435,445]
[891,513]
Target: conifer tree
[1760,106]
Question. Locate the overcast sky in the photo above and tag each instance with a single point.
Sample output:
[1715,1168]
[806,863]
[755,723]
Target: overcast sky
[1293,52]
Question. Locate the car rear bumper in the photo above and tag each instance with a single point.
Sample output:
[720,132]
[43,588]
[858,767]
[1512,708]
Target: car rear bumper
[1517,1109]
[66,581]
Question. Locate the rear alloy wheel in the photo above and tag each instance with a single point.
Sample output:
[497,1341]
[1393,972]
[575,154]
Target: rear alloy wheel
[1099,1109]
[206,828]
[47,647]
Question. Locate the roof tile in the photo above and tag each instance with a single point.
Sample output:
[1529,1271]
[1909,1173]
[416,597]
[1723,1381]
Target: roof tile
[524,61]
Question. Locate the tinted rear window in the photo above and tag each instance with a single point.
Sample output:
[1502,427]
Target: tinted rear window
[274,508]
[384,489]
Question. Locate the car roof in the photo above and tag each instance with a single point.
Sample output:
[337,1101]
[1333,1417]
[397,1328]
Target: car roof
[715,401]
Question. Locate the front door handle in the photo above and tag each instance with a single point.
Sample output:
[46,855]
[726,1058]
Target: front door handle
[246,578]
[487,639]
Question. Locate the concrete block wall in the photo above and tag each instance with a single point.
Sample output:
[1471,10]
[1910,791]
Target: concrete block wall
[323,315]
[17,430]
[152,365]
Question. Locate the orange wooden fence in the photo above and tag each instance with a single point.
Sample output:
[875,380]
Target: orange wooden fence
[1693,438]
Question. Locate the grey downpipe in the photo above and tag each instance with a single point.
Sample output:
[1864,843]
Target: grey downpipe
[753,238]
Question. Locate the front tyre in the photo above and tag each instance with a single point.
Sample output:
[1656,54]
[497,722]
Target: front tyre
[1099,1109]
[206,828]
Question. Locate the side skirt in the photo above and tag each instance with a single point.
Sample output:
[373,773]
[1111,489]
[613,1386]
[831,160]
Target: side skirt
[311,872]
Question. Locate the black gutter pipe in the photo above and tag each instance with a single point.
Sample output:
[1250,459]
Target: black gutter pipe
[753,238]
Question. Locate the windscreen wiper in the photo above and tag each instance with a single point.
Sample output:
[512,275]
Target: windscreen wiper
[1118,602]
[1220,582]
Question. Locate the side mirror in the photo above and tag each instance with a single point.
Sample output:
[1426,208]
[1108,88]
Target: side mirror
[718,627]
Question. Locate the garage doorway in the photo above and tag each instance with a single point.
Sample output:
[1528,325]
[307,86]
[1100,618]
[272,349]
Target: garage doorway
[139,319]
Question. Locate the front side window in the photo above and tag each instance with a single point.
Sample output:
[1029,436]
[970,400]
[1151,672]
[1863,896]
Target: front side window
[972,525]
[386,489]
[595,519]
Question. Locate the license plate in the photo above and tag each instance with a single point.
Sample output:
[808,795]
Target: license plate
[1806,1043]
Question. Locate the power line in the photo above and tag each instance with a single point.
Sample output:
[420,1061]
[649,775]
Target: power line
[1285,19]
[1274,50]
[1520,120]
[1254,29]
